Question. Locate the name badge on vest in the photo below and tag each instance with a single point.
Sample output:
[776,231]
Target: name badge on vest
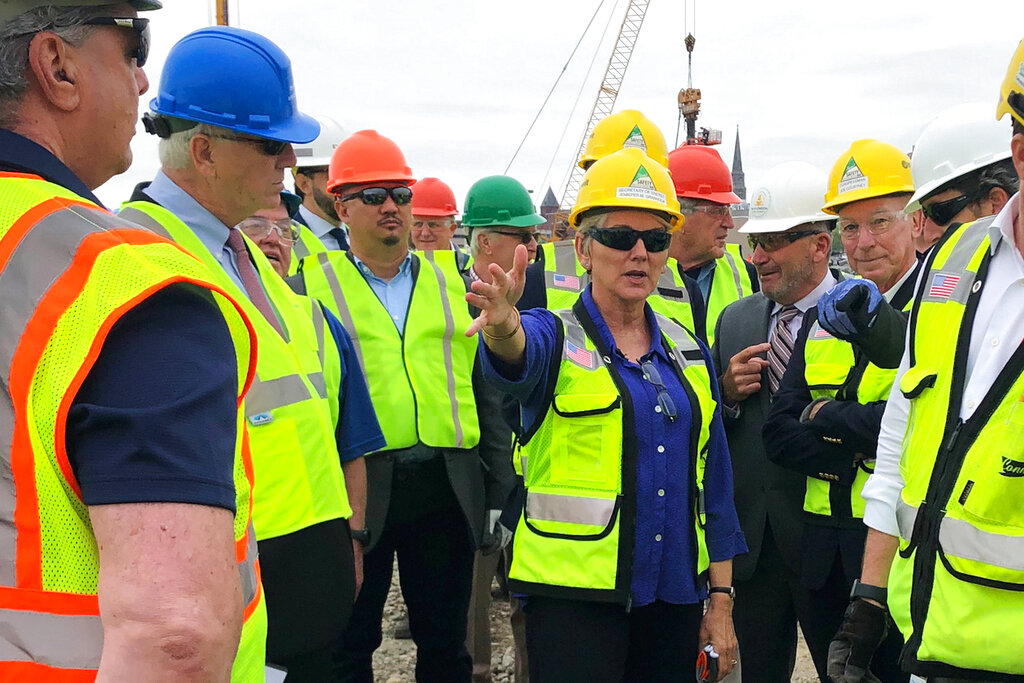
[261,419]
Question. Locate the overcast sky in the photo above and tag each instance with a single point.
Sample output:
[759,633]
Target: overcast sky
[456,82]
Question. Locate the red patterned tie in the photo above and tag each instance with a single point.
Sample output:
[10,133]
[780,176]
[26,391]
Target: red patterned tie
[251,279]
[781,349]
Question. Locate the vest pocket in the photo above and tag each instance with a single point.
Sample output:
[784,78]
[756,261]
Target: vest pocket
[915,380]
[557,515]
[586,442]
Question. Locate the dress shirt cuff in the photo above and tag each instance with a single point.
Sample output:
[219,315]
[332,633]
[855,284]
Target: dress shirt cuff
[727,547]
[880,496]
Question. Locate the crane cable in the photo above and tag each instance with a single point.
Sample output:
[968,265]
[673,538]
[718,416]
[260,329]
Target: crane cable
[689,57]
[561,73]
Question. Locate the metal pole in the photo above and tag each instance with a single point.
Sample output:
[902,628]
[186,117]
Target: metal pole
[222,12]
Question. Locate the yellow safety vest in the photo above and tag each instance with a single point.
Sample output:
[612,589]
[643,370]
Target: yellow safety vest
[565,279]
[289,414]
[420,382]
[68,271]
[956,587]
[731,282]
[570,541]
[307,245]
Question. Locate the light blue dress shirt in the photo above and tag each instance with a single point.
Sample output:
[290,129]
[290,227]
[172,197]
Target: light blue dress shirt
[321,228]
[394,293]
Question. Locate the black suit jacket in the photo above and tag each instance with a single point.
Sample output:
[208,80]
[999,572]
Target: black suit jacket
[765,493]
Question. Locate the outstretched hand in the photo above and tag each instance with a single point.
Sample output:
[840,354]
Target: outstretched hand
[497,299]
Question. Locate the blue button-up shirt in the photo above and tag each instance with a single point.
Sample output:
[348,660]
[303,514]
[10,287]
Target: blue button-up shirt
[394,293]
[663,551]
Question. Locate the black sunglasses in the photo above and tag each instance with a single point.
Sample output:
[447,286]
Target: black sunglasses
[271,148]
[941,213]
[770,241]
[376,196]
[524,237]
[651,374]
[140,26]
[625,239]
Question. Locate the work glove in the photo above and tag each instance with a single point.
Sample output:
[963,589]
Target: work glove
[848,310]
[863,629]
[496,534]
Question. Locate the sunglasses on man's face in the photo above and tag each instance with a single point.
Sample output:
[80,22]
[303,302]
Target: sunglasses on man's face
[624,239]
[376,196]
[270,148]
[770,241]
[941,213]
[524,236]
[139,26]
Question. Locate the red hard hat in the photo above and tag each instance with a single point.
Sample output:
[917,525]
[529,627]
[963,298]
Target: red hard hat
[366,156]
[431,197]
[699,173]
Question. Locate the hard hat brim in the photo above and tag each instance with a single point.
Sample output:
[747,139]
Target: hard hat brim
[755,226]
[926,189]
[299,129]
[434,213]
[716,197]
[853,196]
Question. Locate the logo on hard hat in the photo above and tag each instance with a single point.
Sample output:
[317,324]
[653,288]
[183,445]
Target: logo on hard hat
[762,200]
[635,139]
[1020,75]
[641,187]
[853,178]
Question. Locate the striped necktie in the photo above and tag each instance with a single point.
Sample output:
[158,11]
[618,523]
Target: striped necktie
[781,349]
[251,279]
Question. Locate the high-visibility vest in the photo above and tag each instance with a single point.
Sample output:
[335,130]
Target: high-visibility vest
[421,381]
[731,282]
[307,245]
[565,279]
[579,469]
[832,370]
[288,410]
[956,587]
[69,271]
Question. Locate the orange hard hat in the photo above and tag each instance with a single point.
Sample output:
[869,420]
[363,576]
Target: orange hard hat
[698,172]
[432,197]
[366,156]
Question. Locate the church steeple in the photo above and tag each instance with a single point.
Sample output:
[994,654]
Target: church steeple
[739,185]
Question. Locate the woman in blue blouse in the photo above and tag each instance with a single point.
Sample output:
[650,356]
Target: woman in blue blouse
[628,513]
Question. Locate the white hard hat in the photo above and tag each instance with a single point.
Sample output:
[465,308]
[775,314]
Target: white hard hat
[318,152]
[961,139]
[788,195]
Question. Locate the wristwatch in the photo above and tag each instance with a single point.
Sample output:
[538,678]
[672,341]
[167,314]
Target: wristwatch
[728,590]
[361,535]
[866,590]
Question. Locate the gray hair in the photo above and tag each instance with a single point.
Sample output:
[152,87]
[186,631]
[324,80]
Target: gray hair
[175,152]
[474,243]
[17,34]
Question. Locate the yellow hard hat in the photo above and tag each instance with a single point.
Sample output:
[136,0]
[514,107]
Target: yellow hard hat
[1011,93]
[869,169]
[628,179]
[622,130]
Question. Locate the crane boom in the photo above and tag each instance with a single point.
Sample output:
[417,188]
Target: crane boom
[609,91]
[222,12]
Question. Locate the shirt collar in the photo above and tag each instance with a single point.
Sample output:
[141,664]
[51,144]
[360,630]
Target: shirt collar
[207,227]
[911,272]
[403,268]
[1001,227]
[811,299]
[318,225]
[657,348]
[19,153]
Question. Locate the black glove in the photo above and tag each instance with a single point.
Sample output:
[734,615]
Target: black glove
[863,629]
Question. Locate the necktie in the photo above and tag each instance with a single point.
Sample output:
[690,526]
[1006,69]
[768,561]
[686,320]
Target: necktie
[781,349]
[340,236]
[251,279]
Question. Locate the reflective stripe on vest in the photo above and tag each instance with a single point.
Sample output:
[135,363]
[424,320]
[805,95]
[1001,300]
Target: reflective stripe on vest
[68,271]
[730,282]
[569,541]
[958,580]
[435,405]
[290,422]
[307,245]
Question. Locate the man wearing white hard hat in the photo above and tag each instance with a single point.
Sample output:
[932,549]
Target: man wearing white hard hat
[825,417]
[317,211]
[791,244]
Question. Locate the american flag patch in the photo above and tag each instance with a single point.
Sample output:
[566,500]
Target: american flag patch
[822,333]
[566,281]
[943,285]
[579,356]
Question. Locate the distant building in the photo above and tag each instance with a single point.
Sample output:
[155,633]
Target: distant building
[548,209]
[741,211]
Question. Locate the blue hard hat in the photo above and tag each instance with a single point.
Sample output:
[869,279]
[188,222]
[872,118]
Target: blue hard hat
[235,79]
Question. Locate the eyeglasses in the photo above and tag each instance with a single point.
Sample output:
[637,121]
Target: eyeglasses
[878,225]
[624,239]
[258,228]
[140,26]
[524,237]
[440,225]
[651,374]
[376,196]
[270,148]
[716,210]
[770,241]
[941,213]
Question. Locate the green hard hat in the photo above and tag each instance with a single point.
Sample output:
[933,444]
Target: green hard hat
[12,8]
[499,200]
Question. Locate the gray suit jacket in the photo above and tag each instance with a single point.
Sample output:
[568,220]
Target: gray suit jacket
[764,491]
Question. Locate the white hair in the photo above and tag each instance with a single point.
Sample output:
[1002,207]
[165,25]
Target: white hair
[474,243]
[175,151]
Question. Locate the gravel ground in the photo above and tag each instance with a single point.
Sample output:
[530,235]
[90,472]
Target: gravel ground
[395,661]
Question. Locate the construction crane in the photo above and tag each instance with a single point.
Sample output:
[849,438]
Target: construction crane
[689,98]
[606,96]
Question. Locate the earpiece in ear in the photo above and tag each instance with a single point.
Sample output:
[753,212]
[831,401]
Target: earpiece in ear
[62,75]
